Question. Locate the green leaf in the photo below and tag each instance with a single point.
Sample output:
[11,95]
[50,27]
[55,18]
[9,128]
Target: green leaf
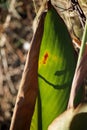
[55,71]
[72,119]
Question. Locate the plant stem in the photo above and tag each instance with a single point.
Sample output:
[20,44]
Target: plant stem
[83,45]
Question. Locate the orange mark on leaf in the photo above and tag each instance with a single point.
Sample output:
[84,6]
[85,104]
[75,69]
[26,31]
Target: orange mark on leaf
[45,58]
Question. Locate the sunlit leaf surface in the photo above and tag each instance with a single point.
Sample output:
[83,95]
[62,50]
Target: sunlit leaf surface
[56,67]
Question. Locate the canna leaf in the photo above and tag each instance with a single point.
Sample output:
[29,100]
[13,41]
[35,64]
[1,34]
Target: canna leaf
[55,71]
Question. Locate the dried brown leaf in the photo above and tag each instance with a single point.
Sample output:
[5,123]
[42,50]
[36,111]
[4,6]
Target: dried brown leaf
[80,75]
[28,90]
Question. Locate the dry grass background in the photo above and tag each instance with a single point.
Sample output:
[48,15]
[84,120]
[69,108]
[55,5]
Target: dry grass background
[16,31]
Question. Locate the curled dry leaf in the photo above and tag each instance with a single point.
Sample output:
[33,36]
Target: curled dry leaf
[80,75]
[28,89]
[72,119]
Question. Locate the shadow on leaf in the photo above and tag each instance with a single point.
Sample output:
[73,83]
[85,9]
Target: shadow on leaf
[56,86]
[79,122]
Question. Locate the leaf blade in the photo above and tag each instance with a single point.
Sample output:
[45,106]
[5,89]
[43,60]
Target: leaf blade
[55,53]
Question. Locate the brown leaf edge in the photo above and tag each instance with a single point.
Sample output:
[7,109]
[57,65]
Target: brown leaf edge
[28,89]
[78,80]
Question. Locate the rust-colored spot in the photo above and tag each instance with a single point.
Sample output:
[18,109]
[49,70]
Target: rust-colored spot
[45,58]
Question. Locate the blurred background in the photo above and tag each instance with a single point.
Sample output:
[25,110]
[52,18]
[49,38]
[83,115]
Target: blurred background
[16,31]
